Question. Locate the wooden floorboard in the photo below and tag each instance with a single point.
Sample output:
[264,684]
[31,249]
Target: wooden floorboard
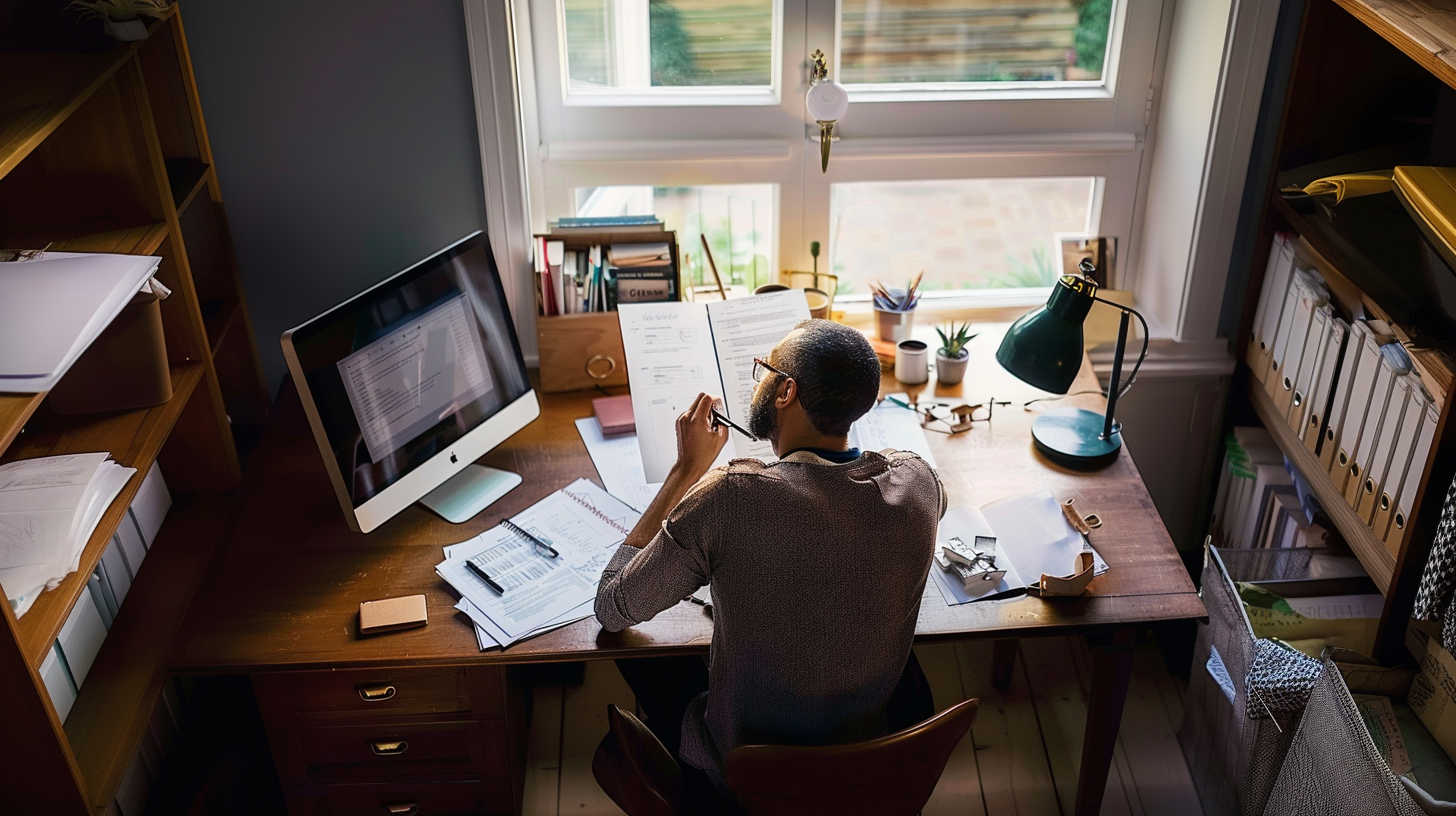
[1023,753]
[959,790]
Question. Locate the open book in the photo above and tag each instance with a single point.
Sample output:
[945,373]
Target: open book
[676,351]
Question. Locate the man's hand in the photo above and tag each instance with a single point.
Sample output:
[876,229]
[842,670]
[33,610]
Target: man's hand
[699,439]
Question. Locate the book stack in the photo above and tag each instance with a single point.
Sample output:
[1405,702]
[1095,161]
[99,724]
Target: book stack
[1262,501]
[1347,387]
[578,273]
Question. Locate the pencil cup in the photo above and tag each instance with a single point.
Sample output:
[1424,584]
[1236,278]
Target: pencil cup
[892,327]
[912,362]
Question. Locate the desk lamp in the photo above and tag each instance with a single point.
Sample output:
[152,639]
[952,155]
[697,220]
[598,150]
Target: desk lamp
[1044,349]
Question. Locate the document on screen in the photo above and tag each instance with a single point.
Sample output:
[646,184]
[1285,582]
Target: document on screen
[417,375]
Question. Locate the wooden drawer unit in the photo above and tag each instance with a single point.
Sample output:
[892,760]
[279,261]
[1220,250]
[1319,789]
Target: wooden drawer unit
[427,799]
[301,697]
[465,749]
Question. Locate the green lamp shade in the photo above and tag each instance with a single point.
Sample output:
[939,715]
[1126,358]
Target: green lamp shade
[1044,347]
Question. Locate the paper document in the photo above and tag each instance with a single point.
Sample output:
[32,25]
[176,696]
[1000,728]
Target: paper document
[889,426]
[582,522]
[407,381]
[618,461]
[1032,530]
[51,309]
[1338,607]
[967,522]
[676,351]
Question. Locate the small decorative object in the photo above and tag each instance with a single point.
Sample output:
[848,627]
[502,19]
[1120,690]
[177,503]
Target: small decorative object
[121,19]
[972,564]
[951,358]
[895,310]
[827,102]
[18,255]
[912,362]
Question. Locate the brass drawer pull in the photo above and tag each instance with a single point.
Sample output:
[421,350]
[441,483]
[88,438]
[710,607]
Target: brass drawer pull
[388,747]
[375,694]
[592,372]
[401,808]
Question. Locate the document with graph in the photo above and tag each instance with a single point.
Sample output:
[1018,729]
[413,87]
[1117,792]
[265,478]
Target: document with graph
[522,576]
[676,351]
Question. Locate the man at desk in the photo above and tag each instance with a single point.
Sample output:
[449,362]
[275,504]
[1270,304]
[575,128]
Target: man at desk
[817,564]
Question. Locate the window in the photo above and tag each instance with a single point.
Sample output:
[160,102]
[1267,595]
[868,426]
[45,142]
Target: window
[977,131]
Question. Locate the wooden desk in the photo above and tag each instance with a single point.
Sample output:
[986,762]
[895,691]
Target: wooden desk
[285,596]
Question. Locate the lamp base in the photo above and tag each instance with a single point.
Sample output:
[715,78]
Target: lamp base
[1073,437]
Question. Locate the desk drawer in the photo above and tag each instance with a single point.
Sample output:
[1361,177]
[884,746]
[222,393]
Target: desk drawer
[386,693]
[422,799]
[472,749]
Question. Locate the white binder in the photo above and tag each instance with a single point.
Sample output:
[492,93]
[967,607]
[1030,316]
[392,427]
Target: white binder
[1309,360]
[1379,463]
[58,683]
[1357,411]
[1380,399]
[81,637]
[1409,486]
[1271,300]
[1317,403]
[1400,457]
[1286,325]
[1343,385]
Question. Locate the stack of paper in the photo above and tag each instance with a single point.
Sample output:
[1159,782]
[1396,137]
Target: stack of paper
[537,591]
[48,509]
[52,308]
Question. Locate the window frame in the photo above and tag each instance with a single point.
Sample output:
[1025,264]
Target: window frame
[1096,129]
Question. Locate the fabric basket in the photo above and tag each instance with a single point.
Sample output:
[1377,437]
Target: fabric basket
[1245,695]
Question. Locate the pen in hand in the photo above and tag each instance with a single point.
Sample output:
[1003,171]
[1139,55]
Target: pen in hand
[719,419]
[480,573]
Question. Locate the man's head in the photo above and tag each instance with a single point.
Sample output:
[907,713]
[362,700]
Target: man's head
[830,375]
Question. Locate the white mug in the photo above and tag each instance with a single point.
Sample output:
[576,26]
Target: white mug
[912,362]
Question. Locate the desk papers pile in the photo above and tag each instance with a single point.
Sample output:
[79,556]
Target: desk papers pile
[581,521]
[52,308]
[48,509]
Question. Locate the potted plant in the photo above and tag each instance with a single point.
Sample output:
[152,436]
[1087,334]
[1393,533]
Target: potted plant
[121,19]
[952,356]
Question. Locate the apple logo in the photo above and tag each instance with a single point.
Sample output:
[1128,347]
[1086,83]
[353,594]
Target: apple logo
[453,460]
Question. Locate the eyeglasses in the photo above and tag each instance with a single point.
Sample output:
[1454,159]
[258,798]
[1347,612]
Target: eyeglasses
[759,367]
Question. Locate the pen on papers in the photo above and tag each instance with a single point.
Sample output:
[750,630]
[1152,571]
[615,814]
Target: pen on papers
[719,419]
[506,523]
[480,573]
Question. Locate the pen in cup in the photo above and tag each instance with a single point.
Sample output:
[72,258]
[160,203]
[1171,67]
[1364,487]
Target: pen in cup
[480,573]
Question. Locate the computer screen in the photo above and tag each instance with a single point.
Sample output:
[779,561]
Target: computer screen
[398,374]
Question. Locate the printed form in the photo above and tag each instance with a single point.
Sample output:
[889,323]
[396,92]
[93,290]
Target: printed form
[676,351]
[417,375]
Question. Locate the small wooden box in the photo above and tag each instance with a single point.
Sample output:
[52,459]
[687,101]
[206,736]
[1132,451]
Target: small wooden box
[580,351]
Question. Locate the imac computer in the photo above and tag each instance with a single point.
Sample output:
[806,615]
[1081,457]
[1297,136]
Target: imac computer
[408,383]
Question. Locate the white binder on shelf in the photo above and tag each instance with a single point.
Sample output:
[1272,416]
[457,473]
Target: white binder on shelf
[81,637]
[1321,390]
[1411,420]
[1381,395]
[1344,384]
[1312,296]
[1271,300]
[1379,464]
[1309,360]
[1289,320]
[118,575]
[1357,410]
[58,683]
[1410,486]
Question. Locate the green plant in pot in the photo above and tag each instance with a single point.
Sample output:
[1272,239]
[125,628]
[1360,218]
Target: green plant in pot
[122,19]
[952,356]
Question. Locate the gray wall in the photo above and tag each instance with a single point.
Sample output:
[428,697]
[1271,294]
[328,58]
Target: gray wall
[344,136]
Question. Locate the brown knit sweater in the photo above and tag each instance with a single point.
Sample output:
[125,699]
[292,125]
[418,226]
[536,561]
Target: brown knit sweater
[817,571]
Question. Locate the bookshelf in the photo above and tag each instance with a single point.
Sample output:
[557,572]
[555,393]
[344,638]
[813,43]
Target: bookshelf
[107,152]
[1366,74]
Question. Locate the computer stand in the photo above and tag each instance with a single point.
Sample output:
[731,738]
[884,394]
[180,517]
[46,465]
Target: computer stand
[469,492]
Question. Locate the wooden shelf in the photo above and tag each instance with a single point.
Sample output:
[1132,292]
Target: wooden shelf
[86,236]
[42,90]
[15,409]
[1371,551]
[218,315]
[186,177]
[1422,32]
[111,713]
[133,438]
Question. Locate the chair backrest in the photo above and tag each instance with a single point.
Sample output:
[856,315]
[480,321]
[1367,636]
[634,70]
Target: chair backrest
[635,771]
[889,776]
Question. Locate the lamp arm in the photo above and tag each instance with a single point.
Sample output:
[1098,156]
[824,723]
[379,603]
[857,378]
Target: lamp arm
[1116,389]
